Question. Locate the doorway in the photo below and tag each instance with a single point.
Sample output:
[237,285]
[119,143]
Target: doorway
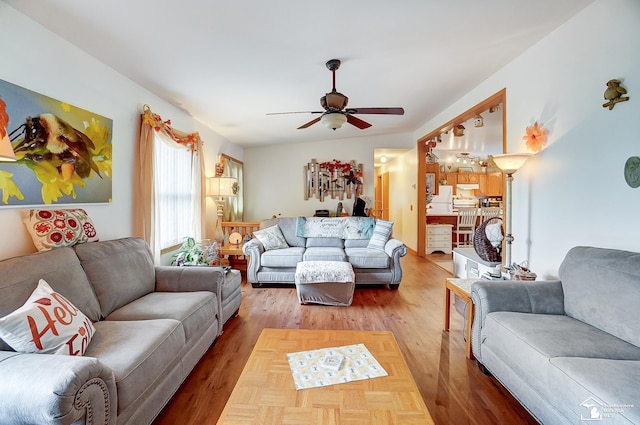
[433,157]
[381,202]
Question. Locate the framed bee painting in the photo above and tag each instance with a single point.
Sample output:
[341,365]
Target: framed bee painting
[63,153]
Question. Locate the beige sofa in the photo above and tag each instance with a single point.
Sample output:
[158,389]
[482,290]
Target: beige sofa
[152,325]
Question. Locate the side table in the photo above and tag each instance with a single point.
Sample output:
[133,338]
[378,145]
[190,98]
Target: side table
[234,251]
[462,288]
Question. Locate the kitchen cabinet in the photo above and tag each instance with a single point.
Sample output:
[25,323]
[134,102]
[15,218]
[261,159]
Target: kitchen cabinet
[466,178]
[452,180]
[494,184]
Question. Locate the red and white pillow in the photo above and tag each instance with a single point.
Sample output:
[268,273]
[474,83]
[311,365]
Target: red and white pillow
[61,227]
[47,323]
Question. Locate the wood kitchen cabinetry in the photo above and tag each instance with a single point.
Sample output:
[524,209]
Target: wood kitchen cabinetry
[494,184]
[490,183]
[468,178]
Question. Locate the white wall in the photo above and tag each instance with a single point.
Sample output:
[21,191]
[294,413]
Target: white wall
[573,192]
[274,179]
[34,58]
[403,196]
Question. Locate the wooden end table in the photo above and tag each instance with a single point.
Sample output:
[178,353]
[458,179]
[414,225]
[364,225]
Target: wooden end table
[462,288]
[234,251]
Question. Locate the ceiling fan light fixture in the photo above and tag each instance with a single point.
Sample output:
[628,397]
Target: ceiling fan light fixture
[333,120]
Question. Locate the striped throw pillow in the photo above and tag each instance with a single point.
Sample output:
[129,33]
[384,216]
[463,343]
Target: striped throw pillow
[381,234]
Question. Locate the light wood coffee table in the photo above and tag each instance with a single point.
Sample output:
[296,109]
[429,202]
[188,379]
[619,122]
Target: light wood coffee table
[265,392]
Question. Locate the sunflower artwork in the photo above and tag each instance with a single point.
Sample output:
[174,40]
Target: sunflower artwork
[63,153]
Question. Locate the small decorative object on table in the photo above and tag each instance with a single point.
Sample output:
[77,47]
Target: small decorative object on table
[520,272]
[332,362]
[235,238]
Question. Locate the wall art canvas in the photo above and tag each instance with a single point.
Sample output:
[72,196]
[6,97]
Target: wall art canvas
[63,152]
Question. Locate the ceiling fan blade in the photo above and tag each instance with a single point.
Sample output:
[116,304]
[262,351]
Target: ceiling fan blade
[310,123]
[357,122]
[385,111]
[297,112]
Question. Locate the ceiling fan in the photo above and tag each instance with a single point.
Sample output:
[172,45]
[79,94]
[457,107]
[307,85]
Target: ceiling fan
[336,112]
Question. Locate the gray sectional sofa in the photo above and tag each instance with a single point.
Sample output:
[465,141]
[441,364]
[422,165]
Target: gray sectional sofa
[371,266]
[569,349]
[152,325]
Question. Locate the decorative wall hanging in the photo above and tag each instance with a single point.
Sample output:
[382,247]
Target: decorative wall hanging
[63,153]
[536,137]
[335,179]
[614,94]
[632,171]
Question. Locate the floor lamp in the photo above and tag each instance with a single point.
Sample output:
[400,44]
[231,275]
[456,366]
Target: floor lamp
[220,187]
[509,163]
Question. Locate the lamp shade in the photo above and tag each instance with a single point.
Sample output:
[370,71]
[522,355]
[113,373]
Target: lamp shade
[511,162]
[6,151]
[333,120]
[221,186]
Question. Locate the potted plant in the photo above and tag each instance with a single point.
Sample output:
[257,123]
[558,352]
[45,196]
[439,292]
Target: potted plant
[192,253]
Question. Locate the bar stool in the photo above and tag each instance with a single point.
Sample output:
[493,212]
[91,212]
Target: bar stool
[466,225]
[489,212]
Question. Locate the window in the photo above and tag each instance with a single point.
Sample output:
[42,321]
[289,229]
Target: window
[174,195]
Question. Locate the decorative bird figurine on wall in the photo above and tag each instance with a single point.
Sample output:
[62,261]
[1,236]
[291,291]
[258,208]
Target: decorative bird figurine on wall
[614,94]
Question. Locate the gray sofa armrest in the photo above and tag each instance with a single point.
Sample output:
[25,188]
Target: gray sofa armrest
[253,249]
[538,297]
[55,389]
[395,249]
[189,279]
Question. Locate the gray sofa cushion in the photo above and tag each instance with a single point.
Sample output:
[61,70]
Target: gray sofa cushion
[356,243]
[591,276]
[367,258]
[139,353]
[193,309]
[325,242]
[61,269]
[324,254]
[526,342]
[120,271]
[603,383]
[287,257]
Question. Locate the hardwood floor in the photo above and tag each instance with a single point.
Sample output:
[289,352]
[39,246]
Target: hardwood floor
[453,388]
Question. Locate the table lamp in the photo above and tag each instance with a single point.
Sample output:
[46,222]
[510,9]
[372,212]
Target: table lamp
[509,163]
[220,187]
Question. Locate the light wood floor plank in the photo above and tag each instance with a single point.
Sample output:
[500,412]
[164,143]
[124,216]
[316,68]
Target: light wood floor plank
[453,388]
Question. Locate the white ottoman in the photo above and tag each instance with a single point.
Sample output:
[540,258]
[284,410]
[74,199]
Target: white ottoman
[325,282]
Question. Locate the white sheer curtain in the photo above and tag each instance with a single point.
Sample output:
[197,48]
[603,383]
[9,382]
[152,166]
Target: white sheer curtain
[146,203]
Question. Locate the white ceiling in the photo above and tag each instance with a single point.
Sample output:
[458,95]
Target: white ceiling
[229,63]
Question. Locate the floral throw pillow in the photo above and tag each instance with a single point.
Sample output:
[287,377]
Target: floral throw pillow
[47,323]
[271,238]
[56,228]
